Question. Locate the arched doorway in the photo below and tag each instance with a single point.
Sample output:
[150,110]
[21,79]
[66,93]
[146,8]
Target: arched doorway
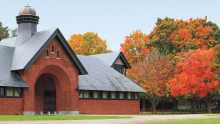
[46,94]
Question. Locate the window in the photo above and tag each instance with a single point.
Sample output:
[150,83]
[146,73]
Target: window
[95,95]
[2,91]
[117,95]
[81,94]
[113,95]
[17,92]
[129,95]
[121,95]
[52,48]
[133,95]
[126,95]
[86,94]
[100,95]
[105,95]
[91,95]
[136,96]
[9,92]
[109,95]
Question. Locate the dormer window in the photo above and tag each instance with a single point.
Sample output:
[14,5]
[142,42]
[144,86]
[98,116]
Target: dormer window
[120,68]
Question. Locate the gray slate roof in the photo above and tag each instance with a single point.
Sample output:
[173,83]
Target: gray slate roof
[107,58]
[25,52]
[8,78]
[100,75]
[17,57]
[104,78]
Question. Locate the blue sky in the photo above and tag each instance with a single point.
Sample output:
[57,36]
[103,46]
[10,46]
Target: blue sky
[112,19]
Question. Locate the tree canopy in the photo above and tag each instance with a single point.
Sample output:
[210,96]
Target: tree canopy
[194,75]
[193,49]
[153,74]
[183,35]
[135,46]
[3,32]
[88,43]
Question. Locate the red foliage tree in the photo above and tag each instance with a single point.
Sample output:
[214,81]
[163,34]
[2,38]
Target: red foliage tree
[194,75]
[153,74]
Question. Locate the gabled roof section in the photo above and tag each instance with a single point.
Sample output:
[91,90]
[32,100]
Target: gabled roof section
[10,42]
[8,78]
[111,57]
[102,77]
[26,53]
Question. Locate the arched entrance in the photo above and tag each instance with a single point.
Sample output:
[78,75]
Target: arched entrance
[46,94]
[52,88]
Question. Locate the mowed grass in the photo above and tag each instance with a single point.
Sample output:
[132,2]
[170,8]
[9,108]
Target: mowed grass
[213,120]
[55,117]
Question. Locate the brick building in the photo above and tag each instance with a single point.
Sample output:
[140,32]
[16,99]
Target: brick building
[40,73]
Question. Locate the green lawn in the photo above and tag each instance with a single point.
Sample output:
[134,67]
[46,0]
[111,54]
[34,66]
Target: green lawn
[165,113]
[192,121]
[55,117]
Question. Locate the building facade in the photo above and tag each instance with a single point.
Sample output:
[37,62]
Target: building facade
[40,73]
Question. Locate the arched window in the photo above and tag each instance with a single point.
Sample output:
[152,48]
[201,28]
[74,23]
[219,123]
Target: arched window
[52,48]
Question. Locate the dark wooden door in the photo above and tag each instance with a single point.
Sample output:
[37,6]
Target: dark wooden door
[49,101]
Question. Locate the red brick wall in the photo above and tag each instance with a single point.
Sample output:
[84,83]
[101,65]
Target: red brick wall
[66,85]
[90,106]
[11,105]
[56,62]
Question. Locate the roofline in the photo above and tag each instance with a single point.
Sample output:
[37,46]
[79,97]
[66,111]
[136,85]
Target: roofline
[72,55]
[82,89]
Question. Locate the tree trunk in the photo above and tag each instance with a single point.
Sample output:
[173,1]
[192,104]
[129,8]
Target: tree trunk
[209,101]
[143,103]
[193,105]
[154,102]
[209,108]
[154,109]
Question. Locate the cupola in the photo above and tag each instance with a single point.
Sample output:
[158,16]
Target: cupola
[27,21]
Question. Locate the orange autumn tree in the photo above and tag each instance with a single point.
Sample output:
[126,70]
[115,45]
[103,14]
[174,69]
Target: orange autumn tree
[88,43]
[194,75]
[153,74]
[176,35]
[135,47]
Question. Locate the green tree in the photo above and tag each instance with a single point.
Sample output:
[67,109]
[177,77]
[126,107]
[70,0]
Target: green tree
[14,32]
[177,35]
[3,32]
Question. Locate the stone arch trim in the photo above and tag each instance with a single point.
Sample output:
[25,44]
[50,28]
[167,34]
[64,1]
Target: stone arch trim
[67,77]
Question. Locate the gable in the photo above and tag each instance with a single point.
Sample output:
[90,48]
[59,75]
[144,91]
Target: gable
[112,58]
[27,53]
[55,50]
[121,60]
[118,61]
[54,53]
